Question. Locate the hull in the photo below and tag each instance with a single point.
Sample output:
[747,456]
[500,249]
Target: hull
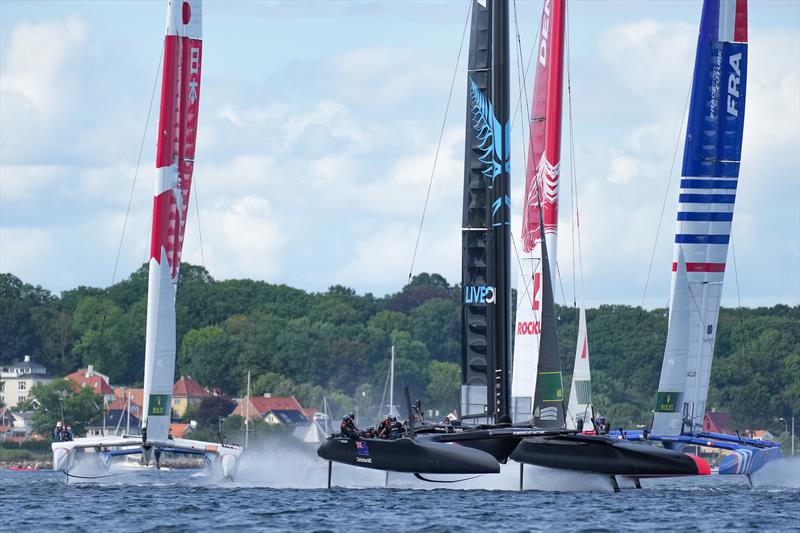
[746,460]
[604,455]
[499,442]
[414,456]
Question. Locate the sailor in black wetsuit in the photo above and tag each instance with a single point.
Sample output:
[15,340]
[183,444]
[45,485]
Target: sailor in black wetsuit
[348,427]
[579,425]
[396,430]
[384,428]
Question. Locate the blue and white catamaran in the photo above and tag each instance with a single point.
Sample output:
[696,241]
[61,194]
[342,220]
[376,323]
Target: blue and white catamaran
[710,176]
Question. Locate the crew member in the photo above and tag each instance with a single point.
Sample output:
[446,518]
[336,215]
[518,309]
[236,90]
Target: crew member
[396,430]
[67,434]
[385,427]
[348,427]
[57,431]
[579,425]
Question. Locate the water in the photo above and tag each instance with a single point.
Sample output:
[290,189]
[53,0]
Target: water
[190,500]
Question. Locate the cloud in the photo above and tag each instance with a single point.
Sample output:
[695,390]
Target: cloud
[35,61]
[23,251]
[241,238]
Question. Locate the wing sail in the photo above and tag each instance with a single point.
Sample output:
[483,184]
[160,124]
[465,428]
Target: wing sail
[177,132]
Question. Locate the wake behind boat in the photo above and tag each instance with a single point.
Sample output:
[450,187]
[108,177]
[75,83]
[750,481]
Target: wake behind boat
[180,94]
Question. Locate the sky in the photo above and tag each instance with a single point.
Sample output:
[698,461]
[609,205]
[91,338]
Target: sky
[319,122]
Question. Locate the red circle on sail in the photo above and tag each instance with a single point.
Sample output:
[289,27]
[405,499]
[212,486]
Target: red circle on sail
[187,13]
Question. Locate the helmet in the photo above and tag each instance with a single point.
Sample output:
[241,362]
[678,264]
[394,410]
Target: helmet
[58,424]
[392,418]
[351,416]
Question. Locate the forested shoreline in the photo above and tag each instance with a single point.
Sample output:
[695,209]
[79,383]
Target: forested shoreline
[336,343]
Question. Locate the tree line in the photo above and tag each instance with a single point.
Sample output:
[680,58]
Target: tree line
[336,344]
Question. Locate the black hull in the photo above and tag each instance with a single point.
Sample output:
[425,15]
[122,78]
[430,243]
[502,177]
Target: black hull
[415,456]
[499,442]
[604,455]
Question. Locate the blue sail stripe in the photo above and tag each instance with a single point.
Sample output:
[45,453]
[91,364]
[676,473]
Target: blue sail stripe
[702,239]
[691,216]
[708,184]
[707,198]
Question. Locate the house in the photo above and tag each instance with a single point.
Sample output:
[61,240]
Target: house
[11,424]
[760,434]
[186,393]
[125,396]
[17,379]
[97,382]
[717,422]
[116,423]
[272,410]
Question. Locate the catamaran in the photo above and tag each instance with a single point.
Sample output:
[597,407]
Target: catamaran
[710,176]
[484,433]
[177,131]
[537,386]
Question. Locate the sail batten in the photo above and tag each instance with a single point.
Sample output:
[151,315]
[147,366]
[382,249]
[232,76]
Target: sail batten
[708,190]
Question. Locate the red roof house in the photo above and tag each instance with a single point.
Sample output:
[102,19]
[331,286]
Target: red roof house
[96,381]
[717,422]
[187,393]
[271,409]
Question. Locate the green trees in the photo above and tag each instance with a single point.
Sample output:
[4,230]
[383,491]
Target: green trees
[336,344]
[80,406]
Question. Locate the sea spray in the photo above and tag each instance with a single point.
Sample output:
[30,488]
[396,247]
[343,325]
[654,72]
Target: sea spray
[783,472]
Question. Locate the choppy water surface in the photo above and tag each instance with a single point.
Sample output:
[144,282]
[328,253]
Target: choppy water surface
[190,501]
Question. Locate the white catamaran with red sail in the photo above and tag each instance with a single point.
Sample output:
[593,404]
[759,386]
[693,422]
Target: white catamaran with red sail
[177,133]
[542,175]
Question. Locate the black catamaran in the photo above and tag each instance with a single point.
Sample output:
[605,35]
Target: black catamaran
[484,434]
[538,384]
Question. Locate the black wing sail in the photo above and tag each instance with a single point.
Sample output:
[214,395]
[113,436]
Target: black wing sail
[548,400]
[477,368]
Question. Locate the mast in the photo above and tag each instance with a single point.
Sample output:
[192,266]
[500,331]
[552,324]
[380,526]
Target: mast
[477,367]
[247,413]
[540,204]
[501,208]
[711,158]
[392,409]
[177,131]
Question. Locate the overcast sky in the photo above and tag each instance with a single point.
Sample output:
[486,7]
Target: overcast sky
[318,127]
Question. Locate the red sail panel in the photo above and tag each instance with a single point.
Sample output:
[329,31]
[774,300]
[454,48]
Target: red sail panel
[544,154]
[180,97]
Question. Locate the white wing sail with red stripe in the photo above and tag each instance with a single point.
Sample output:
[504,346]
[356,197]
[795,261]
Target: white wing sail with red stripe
[541,190]
[708,191]
[177,131]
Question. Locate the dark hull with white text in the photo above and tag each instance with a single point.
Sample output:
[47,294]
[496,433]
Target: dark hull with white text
[416,456]
[605,455]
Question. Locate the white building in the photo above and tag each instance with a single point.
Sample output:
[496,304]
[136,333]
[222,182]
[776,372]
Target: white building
[17,380]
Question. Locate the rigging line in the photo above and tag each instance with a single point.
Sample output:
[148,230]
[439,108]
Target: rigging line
[666,194]
[138,162]
[439,143]
[739,299]
[527,67]
[573,183]
[197,212]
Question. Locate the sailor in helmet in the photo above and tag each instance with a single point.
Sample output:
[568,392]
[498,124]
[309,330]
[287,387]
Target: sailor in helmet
[348,427]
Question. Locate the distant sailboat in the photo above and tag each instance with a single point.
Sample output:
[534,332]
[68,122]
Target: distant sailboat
[177,132]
